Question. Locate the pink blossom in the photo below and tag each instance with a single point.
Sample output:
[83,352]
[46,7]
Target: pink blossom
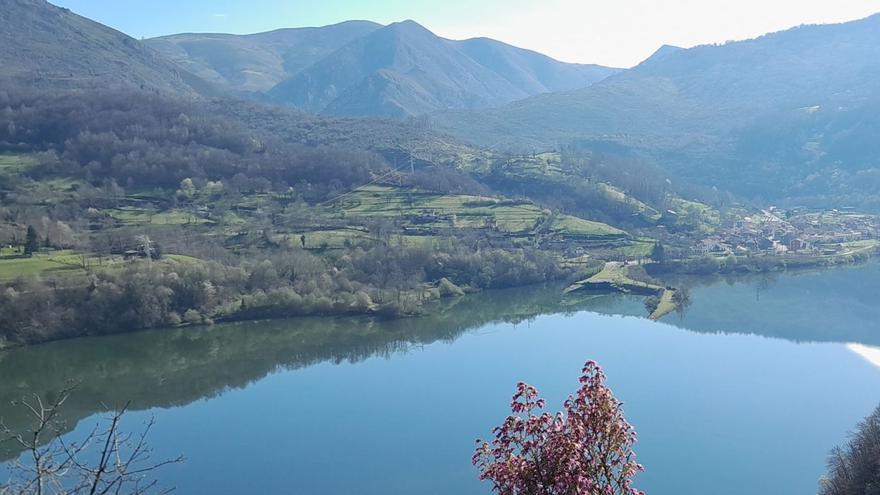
[586,449]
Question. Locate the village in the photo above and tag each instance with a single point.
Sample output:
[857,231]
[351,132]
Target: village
[793,232]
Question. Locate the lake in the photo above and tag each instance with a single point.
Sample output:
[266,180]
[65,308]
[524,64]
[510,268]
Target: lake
[746,392]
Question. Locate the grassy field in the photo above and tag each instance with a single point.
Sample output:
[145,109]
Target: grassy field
[6,252]
[65,263]
[330,239]
[44,263]
[638,248]
[443,210]
[141,216]
[547,171]
[578,228]
[702,217]
[615,275]
[181,258]
[476,212]
[15,164]
[649,214]
[859,245]
[425,217]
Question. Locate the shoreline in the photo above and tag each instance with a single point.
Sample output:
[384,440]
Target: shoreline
[600,283]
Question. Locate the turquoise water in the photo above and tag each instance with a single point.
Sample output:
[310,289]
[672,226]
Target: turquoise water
[744,393]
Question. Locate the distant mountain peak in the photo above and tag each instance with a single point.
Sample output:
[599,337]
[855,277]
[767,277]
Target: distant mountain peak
[352,68]
[408,23]
[663,52]
[405,69]
[409,27]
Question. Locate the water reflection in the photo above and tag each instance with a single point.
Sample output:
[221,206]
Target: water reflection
[177,367]
[167,368]
[833,305]
[868,353]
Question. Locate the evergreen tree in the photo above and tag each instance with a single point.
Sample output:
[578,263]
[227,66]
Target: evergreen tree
[31,244]
[658,253]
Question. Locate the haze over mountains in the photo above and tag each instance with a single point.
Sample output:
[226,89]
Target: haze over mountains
[787,114]
[360,68]
[713,88]
[256,63]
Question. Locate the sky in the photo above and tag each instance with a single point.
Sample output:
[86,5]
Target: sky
[618,33]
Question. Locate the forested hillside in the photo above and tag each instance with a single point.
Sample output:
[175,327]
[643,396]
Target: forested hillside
[784,116]
[44,46]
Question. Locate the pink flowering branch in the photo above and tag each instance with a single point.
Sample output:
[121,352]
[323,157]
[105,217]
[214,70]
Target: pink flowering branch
[587,449]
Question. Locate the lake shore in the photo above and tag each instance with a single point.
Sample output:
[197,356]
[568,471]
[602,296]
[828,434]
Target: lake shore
[613,277]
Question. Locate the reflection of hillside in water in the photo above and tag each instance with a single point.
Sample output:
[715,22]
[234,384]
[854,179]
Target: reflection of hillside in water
[167,368]
[824,305]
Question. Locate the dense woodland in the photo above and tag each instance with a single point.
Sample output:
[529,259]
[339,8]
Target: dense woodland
[382,281]
[144,141]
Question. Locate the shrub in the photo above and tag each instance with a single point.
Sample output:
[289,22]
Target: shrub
[192,317]
[448,289]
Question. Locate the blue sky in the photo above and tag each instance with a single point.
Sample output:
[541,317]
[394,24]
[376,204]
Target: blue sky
[610,32]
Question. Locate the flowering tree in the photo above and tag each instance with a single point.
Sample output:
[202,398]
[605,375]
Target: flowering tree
[584,450]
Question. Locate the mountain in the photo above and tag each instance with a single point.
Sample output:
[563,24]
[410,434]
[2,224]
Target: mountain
[255,63]
[706,113]
[46,47]
[531,71]
[404,69]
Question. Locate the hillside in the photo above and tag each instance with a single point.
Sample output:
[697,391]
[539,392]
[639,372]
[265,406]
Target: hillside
[403,69]
[256,63]
[530,71]
[702,111]
[47,47]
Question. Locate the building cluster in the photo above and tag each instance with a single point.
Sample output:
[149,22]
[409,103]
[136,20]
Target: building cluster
[774,232]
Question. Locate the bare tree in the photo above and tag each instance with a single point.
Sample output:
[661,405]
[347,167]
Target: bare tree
[107,461]
[854,468]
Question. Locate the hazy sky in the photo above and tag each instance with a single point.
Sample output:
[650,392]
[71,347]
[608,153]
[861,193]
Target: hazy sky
[609,32]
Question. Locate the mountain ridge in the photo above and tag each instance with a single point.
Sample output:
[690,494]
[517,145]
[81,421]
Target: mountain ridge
[705,112]
[374,70]
[256,62]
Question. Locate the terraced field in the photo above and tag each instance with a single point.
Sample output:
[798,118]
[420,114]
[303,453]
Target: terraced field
[578,228]
[444,210]
[546,170]
[511,217]
[15,164]
[643,210]
[346,238]
[141,216]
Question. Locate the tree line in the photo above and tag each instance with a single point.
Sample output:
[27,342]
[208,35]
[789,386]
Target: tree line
[382,280]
